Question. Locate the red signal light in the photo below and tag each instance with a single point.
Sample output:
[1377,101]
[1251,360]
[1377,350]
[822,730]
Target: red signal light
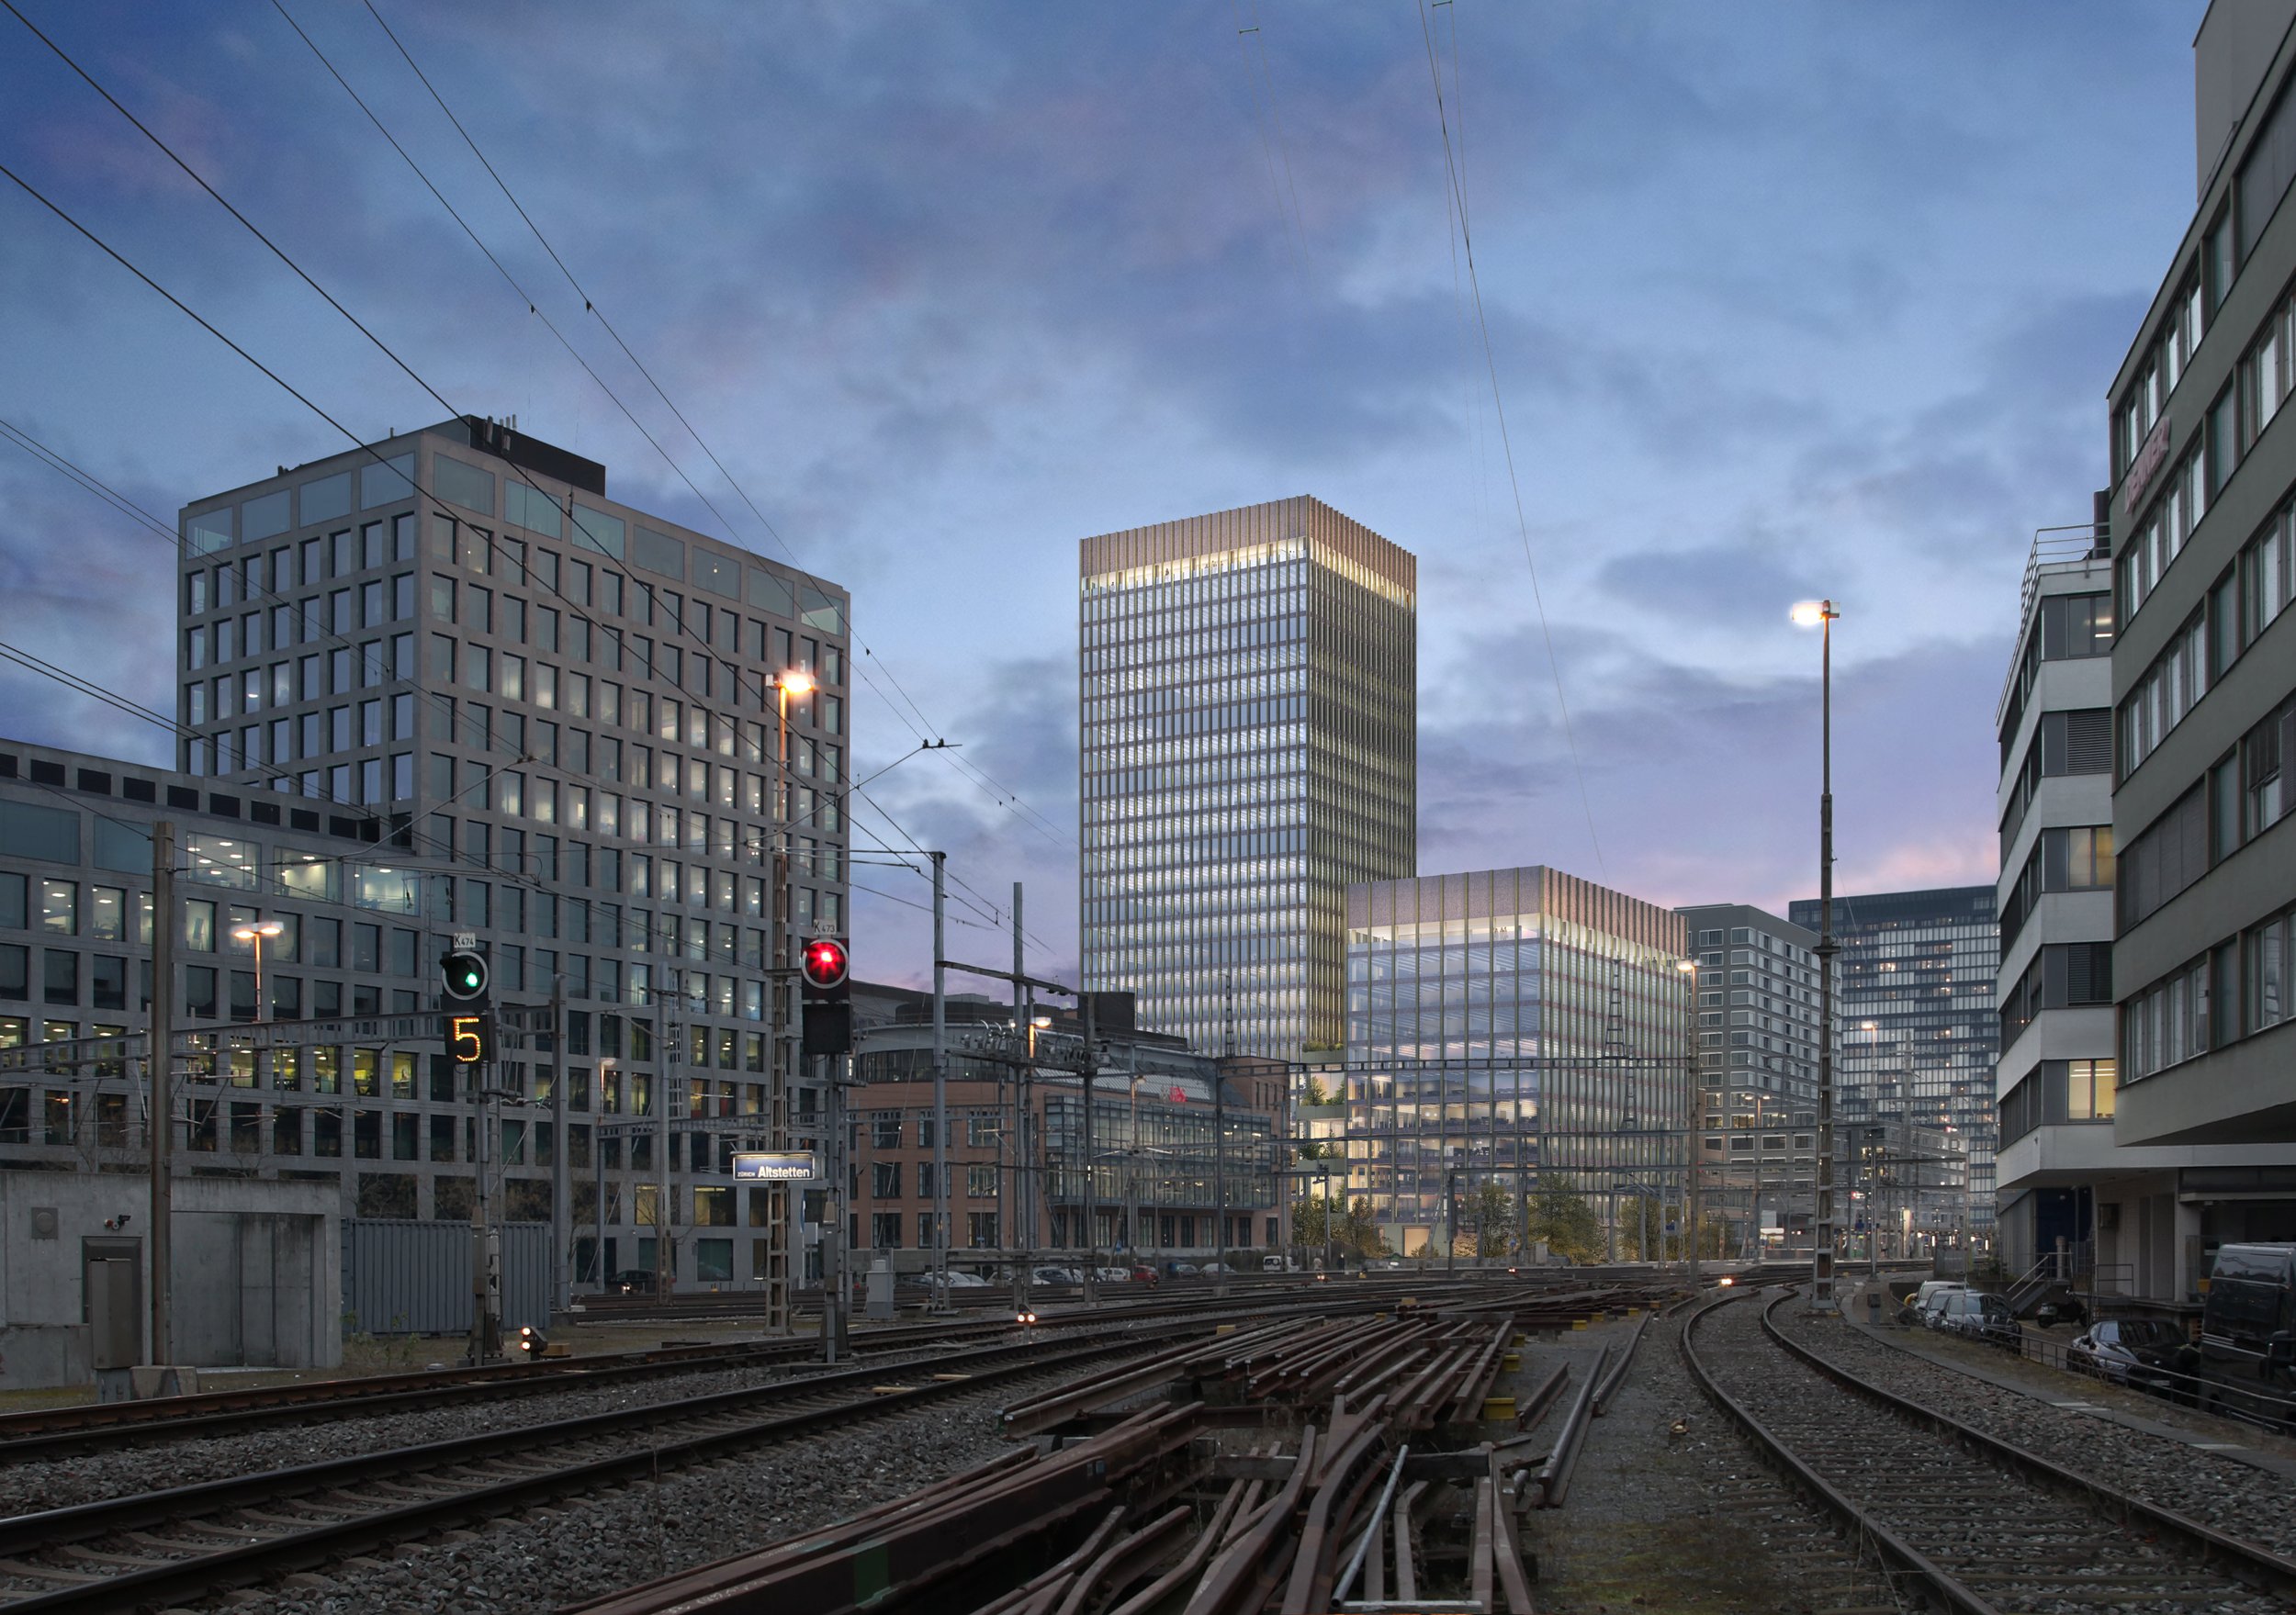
[824,963]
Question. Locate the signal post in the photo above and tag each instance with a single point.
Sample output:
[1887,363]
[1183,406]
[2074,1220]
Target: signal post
[463,987]
[824,976]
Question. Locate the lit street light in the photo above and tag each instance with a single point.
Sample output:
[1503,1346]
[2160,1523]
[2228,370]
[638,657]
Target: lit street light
[1820,615]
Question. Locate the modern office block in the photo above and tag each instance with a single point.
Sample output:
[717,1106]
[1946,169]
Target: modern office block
[1249,750]
[1758,1043]
[1916,1028]
[2202,521]
[445,685]
[1522,1028]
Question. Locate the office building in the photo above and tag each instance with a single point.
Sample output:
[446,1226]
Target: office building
[1522,1028]
[2100,1214]
[1249,747]
[2202,521]
[447,684]
[1017,1152]
[1915,1024]
[1758,1042]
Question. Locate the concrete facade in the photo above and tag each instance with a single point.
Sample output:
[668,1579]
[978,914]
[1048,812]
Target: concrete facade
[446,684]
[257,1275]
[1757,982]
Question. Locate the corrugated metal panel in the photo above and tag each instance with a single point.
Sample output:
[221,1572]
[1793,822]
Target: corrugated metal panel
[405,1277]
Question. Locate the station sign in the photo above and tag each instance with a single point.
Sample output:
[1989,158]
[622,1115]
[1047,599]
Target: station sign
[778,1166]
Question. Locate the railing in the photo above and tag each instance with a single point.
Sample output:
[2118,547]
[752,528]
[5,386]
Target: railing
[2081,544]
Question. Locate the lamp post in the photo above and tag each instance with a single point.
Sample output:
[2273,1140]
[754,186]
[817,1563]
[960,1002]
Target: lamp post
[1820,615]
[1696,1105]
[780,1234]
[598,1169]
[258,934]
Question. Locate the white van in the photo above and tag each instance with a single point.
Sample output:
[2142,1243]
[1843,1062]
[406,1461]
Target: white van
[1278,1264]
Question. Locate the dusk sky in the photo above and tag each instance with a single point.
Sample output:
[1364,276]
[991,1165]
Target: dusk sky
[1783,300]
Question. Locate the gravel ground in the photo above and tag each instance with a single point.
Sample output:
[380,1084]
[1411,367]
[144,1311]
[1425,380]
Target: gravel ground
[60,1483]
[587,1546]
[1692,1523]
[2237,1498]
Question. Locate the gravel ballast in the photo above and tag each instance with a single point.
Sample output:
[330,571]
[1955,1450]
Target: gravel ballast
[586,1546]
[60,1483]
[2237,1498]
[1690,1521]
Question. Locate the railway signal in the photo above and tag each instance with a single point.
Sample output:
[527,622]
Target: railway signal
[822,968]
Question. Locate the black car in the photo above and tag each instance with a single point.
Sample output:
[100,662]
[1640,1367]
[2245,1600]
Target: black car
[2139,1351]
[633,1281]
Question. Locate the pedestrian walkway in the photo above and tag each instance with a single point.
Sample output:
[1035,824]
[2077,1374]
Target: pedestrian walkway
[1918,1343]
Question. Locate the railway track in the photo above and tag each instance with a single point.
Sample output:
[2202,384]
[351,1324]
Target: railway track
[48,1433]
[158,1547]
[1977,1525]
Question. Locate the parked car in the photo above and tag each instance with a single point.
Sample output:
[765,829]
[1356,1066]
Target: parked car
[1931,1311]
[1279,1265]
[1112,1276]
[961,1280]
[1976,1316]
[1144,1275]
[634,1281]
[1057,1275]
[1182,1270]
[2248,1331]
[2139,1351]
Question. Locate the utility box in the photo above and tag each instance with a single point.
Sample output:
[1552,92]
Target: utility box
[879,1302]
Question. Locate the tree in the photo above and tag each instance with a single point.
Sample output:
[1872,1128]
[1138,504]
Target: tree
[1317,1093]
[1350,1230]
[1562,1217]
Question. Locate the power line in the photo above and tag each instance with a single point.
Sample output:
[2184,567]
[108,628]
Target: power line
[1499,411]
[963,765]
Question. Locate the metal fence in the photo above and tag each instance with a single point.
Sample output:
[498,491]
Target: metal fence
[405,1277]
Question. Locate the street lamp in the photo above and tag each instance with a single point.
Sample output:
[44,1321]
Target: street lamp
[1820,615]
[781,1065]
[258,934]
[598,1167]
[1696,1105]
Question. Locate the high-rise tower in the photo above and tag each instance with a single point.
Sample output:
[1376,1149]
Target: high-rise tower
[1249,749]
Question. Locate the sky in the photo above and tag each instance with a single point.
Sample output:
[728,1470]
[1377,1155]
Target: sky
[1776,301]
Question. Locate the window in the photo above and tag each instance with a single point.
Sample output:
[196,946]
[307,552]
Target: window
[979,1181]
[885,1130]
[884,1180]
[461,483]
[885,1230]
[2168,1023]
[2163,693]
[60,907]
[2168,858]
[2264,175]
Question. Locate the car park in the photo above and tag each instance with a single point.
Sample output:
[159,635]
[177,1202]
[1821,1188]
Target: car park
[2139,1351]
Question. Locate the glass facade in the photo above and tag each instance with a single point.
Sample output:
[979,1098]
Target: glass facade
[1248,750]
[1916,1028]
[1508,1023]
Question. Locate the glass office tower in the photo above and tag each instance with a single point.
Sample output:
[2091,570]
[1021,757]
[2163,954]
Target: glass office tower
[1249,749]
[1916,1030]
[1521,1025]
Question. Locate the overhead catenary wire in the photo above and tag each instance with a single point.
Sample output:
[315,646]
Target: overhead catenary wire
[684,626]
[1506,444]
[995,789]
